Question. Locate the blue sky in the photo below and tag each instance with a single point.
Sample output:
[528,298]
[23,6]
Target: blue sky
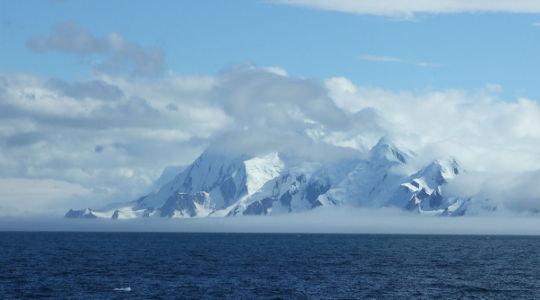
[465,50]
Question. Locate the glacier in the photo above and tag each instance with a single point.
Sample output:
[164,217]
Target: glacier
[221,183]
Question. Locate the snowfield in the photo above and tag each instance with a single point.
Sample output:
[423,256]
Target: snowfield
[218,184]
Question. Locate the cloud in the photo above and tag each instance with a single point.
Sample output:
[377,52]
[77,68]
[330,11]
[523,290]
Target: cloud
[514,191]
[68,37]
[44,196]
[341,220]
[485,133]
[110,135]
[294,143]
[392,8]
[97,89]
[276,70]
[390,59]
[261,99]
[536,24]
[380,58]
[118,55]
[428,64]
[113,135]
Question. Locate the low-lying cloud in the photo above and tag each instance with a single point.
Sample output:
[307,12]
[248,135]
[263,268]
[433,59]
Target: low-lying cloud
[340,220]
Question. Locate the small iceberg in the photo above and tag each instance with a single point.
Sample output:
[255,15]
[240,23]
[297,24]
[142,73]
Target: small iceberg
[123,289]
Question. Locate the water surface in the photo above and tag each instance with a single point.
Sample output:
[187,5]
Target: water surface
[266,266]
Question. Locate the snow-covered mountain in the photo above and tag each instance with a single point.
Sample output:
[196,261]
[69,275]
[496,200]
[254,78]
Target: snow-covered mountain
[219,184]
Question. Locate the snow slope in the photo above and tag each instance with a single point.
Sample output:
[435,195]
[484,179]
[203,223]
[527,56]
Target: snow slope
[223,184]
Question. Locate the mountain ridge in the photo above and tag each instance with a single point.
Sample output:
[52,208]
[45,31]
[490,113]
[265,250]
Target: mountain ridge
[229,184]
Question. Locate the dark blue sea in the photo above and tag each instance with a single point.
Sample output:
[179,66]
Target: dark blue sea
[266,266]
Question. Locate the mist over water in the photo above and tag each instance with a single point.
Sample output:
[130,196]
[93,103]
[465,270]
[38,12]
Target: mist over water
[335,220]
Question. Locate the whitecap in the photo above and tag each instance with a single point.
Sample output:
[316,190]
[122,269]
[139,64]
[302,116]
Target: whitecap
[123,289]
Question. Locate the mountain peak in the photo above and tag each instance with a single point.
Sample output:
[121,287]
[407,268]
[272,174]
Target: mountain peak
[440,171]
[86,213]
[449,167]
[385,149]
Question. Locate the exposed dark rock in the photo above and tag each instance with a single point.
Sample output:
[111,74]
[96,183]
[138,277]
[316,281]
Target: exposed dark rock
[314,190]
[80,214]
[182,202]
[259,207]
[228,190]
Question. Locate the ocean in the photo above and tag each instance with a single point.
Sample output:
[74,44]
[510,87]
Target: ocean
[71,265]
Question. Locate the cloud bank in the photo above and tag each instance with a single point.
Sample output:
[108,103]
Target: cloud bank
[344,220]
[107,139]
[392,8]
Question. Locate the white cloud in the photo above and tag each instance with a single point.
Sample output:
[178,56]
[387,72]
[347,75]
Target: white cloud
[277,71]
[485,133]
[536,24]
[261,99]
[396,8]
[19,196]
[380,58]
[111,135]
[428,64]
[390,59]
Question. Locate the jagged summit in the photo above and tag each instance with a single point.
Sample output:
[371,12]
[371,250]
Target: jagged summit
[424,189]
[386,150]
[229,184]
[81,214]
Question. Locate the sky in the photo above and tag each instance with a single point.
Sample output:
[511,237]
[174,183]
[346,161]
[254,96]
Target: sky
[407,50]
[97,98]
